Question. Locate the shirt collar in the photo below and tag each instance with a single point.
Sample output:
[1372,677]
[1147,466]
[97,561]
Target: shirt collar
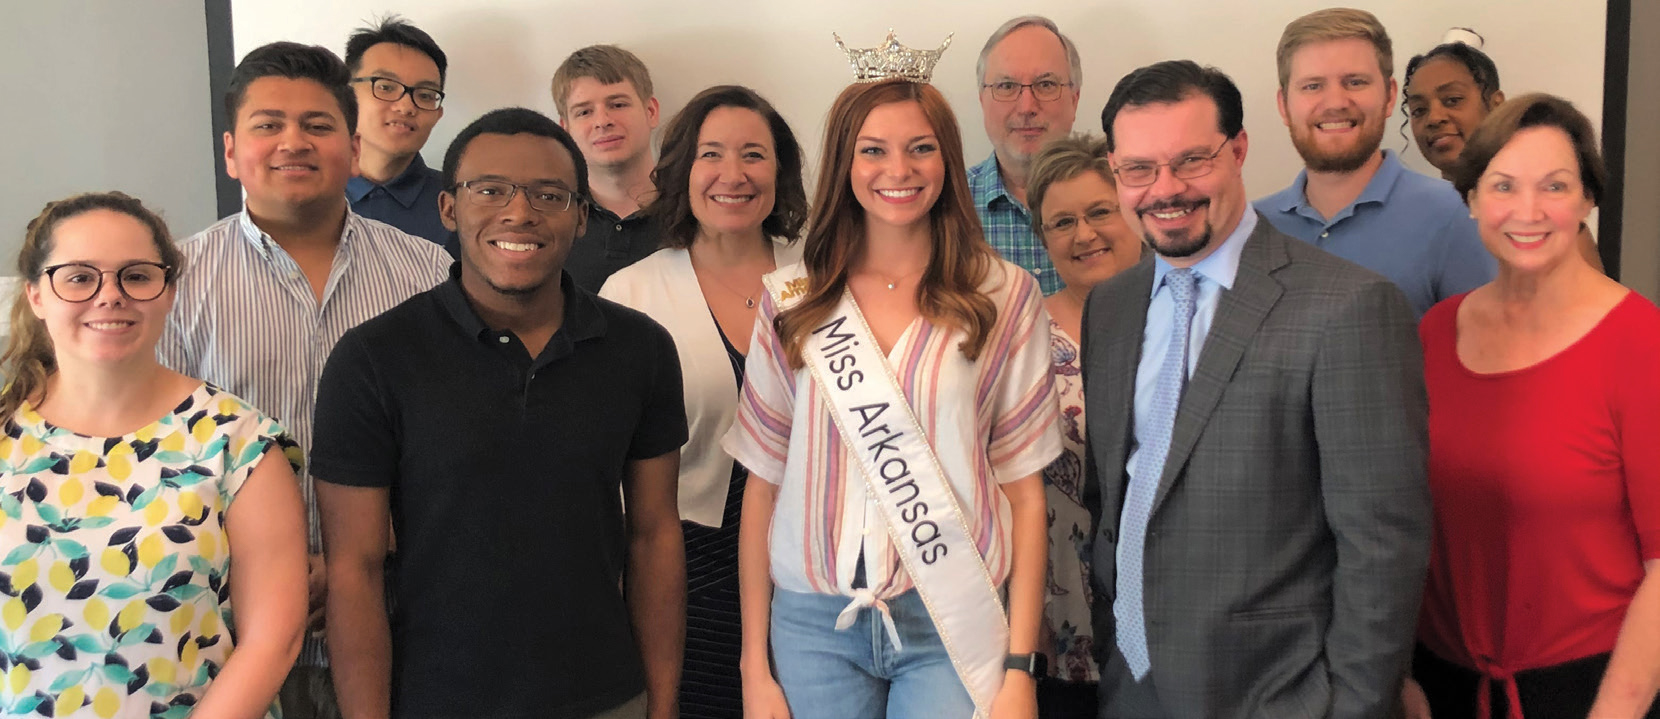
[263,244]
[1377,189]
[406,188]
[1220,266]
[597,210]
[583,317]
[985,183]
[1383,181]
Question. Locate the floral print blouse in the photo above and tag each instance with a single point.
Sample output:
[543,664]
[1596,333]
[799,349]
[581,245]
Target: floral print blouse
[1067,598]
[114,562]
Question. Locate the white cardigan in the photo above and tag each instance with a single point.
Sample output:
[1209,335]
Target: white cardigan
[665,287]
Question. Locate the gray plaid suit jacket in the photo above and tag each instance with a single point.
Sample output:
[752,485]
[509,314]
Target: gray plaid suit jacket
[1290,533]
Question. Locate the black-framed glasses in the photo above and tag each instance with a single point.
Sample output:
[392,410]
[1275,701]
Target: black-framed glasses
[545,197]
[1009,90]
[1065,227]
[386,89]
[78,282]
[1136,173]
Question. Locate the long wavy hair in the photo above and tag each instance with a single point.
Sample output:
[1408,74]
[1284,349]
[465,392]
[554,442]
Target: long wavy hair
[949,292]
[30,358]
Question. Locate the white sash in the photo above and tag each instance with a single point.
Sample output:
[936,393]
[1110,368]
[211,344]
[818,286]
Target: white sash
[901,472]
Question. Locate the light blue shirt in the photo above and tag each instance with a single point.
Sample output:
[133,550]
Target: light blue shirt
[1214,274]
[1412,229]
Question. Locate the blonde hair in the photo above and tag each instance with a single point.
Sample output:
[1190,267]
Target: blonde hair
[607,64]
[1062,160]
[1337,23]
[29,357]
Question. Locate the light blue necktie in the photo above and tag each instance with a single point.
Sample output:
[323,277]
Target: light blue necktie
[1128,607]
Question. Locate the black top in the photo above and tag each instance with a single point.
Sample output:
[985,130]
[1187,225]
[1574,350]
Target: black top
[408,202]
[504,473]
[609,244]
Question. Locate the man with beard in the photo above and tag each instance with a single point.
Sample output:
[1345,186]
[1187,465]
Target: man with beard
[1258,424]
[1029,76]
[492,419]
[1337,89]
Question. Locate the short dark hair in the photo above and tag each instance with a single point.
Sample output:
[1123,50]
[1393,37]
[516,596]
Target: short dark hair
[1520,113]
[398,31]
[514,121]
[293,61]
[1170,82]
[672,177]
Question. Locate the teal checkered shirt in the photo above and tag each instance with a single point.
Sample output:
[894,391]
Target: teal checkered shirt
[1008,225]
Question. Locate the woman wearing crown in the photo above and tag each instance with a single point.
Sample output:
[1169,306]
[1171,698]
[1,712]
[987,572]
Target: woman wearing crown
[898,407]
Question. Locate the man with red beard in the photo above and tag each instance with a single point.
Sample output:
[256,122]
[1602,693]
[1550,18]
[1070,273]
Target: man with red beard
[1353,199]
[1029,77]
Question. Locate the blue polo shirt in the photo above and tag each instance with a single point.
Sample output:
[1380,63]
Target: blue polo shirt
[1008,225]
[409,202]
[1412,229]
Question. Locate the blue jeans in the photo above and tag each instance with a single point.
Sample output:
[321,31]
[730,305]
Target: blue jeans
[856,673]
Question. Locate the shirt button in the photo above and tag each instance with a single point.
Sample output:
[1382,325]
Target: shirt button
[502,339]
[1324,234]
[619,228]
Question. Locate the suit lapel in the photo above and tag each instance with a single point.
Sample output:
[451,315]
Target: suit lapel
[1126,324]
[1239,314]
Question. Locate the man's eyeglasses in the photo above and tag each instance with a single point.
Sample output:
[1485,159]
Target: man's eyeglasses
[139,281]
[386,89]
[495,193]
[1009,90]
[1136,173]
[1065,227]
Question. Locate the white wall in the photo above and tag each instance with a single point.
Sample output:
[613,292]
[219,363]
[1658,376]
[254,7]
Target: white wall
[104,95]
[504,53]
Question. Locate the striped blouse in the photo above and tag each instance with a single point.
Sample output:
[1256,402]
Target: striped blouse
[245,318]
[992,420]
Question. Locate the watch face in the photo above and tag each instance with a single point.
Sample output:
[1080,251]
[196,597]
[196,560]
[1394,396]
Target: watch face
[1040,664]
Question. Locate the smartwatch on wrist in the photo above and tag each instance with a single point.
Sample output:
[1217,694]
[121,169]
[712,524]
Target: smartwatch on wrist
[1035,664]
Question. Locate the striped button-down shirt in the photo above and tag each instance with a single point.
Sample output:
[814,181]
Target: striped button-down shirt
[990,420]
[246,319]
[1008,225]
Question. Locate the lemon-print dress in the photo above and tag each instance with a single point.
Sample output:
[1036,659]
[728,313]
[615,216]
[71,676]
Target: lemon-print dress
[114,561]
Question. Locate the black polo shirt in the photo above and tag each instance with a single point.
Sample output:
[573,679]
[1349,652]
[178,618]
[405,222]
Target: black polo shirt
[611,243]
[505,474]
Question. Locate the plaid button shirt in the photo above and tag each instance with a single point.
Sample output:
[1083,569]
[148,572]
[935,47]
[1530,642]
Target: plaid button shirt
[1008,225]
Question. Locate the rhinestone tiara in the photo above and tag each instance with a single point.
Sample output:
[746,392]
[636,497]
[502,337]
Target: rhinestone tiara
[892,60]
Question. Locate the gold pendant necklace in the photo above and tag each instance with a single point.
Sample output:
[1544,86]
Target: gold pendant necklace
[749,299]
[894,281]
